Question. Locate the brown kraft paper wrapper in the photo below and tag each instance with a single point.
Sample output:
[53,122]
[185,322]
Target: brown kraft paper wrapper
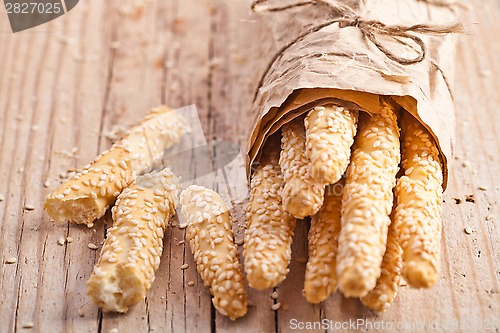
[339,64]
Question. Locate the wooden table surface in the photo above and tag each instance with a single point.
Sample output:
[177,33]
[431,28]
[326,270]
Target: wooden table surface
[66,84]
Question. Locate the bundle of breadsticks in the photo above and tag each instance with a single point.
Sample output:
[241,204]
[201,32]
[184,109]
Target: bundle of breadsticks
[354,129]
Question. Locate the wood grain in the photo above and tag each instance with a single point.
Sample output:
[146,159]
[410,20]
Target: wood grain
[66,84]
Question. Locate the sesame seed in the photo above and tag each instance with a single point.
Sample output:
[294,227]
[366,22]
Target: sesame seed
[483,188]
[80,312]
[92,246]
[29,207]
[468,230]
[185,266]
[11,260]
[276,306]
[69,239]
[190,283]
[61,241]
[28,325]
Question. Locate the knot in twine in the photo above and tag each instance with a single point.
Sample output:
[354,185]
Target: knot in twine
[369,28]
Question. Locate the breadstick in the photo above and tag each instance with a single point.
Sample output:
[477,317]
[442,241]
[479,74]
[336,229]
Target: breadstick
[381,297]
[86,197]
[419,197]
[131,254]
[330,132]
[268,238]
[211,240]
[302,194]
[367,202]
[321,274]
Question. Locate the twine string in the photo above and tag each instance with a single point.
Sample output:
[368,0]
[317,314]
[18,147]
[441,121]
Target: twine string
[369,28]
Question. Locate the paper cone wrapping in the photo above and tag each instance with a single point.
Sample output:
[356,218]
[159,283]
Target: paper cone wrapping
[338,64]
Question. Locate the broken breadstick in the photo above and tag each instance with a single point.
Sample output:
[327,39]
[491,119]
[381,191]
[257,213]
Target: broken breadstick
[381,297]
[86,197]
[211,240]
[131,254]
[330,131]
[419,198]
[268,238]
[321,274]
[302,194]
[367,202]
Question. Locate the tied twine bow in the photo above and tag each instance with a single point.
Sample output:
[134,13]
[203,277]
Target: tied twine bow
[369,28]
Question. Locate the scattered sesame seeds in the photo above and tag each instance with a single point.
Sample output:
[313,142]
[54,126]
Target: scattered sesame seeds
[468,230]
[92,246]
[61,241]
[47,183]
[80,312]
[185,266]
[274,295]
[489,217]
[190,283]
[28,325]
[10,260]
[69,239]
[483,188]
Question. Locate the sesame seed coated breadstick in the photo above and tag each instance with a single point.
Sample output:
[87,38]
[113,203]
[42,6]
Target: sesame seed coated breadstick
[302,194]
[86,197]
[134,244]
[381,297]
[330,132]
[367,202]
[321,274]
[419,198]
[211,240]
[268,238]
